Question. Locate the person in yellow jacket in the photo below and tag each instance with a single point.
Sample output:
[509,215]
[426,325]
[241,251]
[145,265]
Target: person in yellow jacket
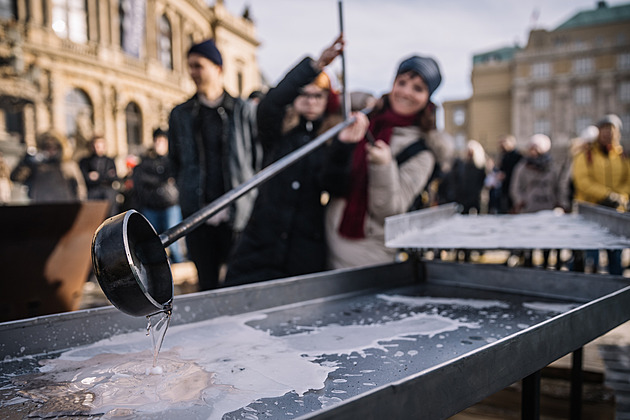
[601,175]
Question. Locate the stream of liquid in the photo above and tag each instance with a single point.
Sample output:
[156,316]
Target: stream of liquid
[157,331]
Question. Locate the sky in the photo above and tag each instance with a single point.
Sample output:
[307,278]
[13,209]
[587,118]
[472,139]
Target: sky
[379,34]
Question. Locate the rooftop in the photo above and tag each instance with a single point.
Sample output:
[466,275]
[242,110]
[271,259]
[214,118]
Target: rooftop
[498,55]
[602,14]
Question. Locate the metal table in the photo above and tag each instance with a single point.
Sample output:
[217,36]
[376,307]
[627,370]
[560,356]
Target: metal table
[592,227]
[447,336]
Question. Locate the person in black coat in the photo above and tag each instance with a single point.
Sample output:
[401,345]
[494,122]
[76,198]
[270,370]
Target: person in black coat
[99,172]
[156,192]
[465,181]
[509,158]
[213,149]
[285,234]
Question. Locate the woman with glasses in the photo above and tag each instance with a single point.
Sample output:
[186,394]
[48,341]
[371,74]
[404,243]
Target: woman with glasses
[285,234]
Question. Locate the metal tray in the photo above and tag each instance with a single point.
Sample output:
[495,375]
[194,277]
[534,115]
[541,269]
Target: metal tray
[442,227]
[499,325]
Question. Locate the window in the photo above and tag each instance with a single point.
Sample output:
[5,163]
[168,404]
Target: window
[541,99]
[623,61]
[581,123]
[79,120]
[133,120]
[132,25]
[582,95]
[541,70]
[8,9]
[69,20]
[165,43]
[78,112]
[542,126]
[583,65]
[624,92]
[12,115]
[459,117]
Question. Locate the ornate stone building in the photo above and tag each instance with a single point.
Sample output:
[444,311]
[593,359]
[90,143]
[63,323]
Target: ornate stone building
[562,81]
[113,67]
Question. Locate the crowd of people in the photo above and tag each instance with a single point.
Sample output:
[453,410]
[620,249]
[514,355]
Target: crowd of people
[328,210]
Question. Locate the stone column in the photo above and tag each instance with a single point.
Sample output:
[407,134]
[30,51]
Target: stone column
[150,40]
[93,13]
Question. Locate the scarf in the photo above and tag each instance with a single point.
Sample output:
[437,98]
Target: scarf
[539,163]
[381,126]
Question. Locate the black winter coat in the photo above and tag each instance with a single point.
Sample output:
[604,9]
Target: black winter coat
[285,234]
[153,182]
[240,158]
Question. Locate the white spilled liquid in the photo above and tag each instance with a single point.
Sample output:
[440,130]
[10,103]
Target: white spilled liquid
[225,364]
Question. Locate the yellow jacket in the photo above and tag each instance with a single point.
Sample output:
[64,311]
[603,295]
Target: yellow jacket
[597,173]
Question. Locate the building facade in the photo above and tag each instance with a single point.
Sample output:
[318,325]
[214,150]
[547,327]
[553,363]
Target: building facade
[562,81]
[109,67]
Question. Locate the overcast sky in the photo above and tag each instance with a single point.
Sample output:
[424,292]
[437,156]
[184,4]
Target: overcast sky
[380,33]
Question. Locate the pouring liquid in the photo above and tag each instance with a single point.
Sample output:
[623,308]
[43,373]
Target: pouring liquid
[156,327]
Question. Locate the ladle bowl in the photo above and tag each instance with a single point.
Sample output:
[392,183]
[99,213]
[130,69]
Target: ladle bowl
[131,265]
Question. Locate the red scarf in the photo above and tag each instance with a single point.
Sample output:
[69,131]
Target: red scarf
[353,220]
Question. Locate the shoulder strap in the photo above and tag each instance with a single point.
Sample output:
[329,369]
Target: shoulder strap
[410,151]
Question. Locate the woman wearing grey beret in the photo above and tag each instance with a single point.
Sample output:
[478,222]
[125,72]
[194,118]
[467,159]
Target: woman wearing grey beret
[391,167]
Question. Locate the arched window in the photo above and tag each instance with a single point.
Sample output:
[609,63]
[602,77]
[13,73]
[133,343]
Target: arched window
[8,9]
[79,119]
[165,42]
[133,121]
[69,20]
[132,26]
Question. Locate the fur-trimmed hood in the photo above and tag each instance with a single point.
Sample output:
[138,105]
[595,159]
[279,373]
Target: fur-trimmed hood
[442,145]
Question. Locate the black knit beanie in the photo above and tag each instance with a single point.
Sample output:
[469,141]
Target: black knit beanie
[209,50]
[425,67]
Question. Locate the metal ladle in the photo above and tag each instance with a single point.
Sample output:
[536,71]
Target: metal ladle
[129,257]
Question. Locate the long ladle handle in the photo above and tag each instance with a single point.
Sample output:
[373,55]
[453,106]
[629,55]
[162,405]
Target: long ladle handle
[191,222]
[345,98]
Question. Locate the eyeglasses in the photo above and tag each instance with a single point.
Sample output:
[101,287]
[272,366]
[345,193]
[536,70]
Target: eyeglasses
[317,96]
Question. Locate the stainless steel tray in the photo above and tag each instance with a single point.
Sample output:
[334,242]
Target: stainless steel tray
[592,227]
[499,325]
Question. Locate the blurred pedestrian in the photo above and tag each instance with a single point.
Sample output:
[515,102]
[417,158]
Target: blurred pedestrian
[464,182]
[285,235]
[212,148]
[510,156]
[99,172]
[493,184]
[49,171]
[536,181]
[601,174]
[535,185]
[156,192]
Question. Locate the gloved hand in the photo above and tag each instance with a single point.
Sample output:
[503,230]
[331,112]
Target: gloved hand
[616,201]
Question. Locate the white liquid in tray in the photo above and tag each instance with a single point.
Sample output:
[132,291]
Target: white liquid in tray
[222,363]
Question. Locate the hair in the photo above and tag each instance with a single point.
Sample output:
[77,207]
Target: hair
[478,154]
[57,138]
[160,132]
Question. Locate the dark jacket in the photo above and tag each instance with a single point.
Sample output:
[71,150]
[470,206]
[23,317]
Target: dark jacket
[463,185]
[285,234]
[153,182]
[241,159]
[106,167]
